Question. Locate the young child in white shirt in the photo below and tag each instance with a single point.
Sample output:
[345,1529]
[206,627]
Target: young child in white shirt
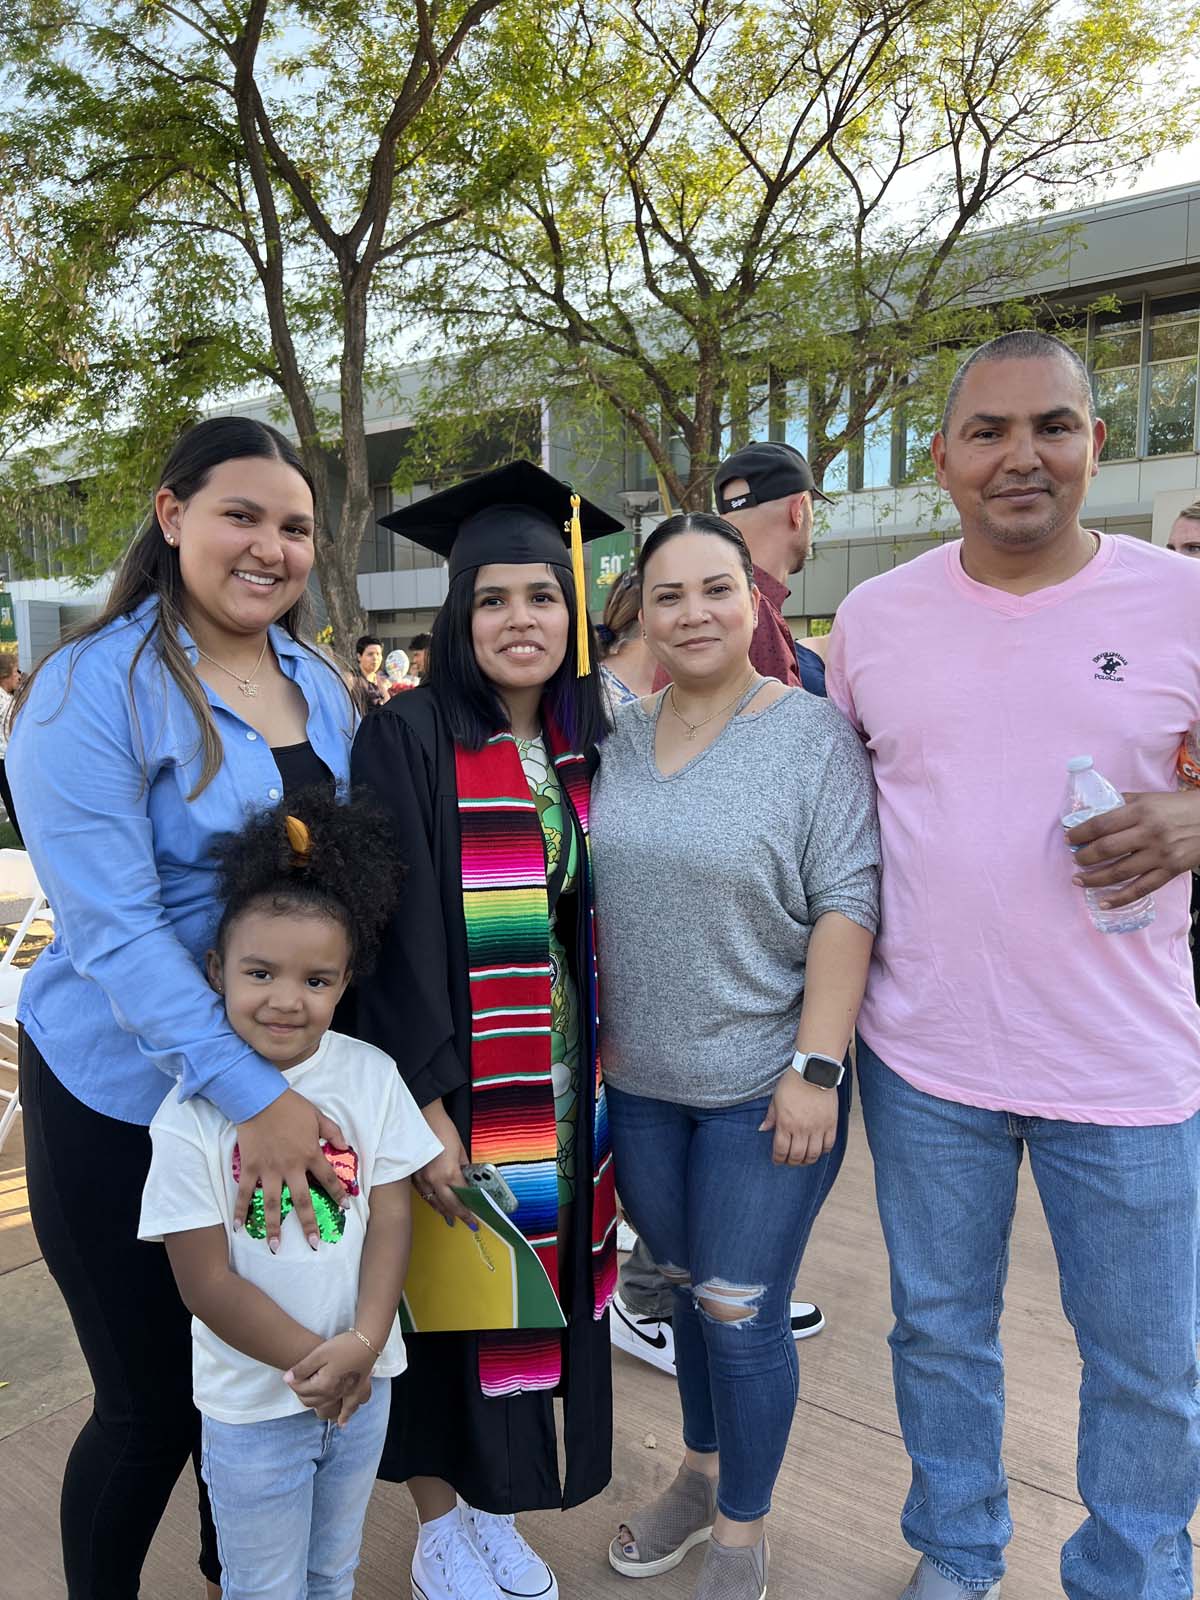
[294,1340]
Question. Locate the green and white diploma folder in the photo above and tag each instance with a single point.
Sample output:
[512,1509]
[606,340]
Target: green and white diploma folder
[461,1281]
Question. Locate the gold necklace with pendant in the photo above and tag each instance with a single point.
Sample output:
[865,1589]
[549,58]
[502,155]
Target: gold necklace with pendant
[692,727]
[247,685]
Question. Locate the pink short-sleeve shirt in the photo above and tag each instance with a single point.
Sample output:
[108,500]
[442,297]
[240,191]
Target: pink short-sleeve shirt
[989,985]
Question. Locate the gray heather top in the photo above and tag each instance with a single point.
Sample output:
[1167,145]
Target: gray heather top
[708,883]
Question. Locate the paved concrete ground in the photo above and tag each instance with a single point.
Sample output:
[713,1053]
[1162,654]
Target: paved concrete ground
[835,1528]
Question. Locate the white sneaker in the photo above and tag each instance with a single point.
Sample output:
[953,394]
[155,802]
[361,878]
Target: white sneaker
[516,1568]
[646,1338]
[626,1237]
[446,1565]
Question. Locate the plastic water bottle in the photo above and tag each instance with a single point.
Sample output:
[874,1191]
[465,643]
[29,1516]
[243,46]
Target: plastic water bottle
[1088,794]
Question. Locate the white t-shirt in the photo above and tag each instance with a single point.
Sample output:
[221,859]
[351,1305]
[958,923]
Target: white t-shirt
[191,1185]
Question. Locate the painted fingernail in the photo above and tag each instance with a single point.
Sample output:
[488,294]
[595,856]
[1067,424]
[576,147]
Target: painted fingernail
[474,1227]
[449,1221]
[314,1240]
[237,1227]
[273,1246]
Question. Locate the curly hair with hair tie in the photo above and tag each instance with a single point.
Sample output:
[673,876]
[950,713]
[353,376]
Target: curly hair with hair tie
[312,856]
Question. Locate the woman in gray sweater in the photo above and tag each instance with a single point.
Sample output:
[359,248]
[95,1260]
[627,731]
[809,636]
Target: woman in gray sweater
[736,858]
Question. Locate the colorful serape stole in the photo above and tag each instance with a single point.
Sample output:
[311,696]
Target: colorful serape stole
[506,911]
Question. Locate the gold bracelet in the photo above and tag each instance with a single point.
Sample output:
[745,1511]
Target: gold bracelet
[362,1338]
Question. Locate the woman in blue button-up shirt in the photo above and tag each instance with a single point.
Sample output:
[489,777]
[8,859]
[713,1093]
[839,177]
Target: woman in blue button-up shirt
[192,699]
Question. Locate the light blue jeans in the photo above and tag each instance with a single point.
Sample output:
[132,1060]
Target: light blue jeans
[1123,1209]
[289,1497]
[724,1223]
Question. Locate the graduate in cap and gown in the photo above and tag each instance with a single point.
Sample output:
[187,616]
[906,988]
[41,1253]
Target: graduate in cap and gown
[486,1000]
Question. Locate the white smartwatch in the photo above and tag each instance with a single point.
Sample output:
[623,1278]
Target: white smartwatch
[813,1067]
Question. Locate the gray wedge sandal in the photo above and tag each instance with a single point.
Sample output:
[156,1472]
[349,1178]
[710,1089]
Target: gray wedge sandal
[734,1572]
[662,1534]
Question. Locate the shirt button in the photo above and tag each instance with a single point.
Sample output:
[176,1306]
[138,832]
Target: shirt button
[272,794]
[252,736]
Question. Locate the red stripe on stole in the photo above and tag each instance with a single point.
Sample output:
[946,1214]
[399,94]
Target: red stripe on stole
[492,994]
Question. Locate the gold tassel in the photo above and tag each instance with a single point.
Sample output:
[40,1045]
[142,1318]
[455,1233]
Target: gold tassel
[581,620]
[300,840]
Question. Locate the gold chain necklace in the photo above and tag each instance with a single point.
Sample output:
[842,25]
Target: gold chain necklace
[247,684]
[703,723]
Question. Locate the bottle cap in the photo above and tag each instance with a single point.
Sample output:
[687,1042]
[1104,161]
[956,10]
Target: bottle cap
[1079,763]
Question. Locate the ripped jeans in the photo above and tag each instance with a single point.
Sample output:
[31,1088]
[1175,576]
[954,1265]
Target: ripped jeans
[727,1228]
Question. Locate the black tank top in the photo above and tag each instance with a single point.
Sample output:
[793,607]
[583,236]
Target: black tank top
[300,767]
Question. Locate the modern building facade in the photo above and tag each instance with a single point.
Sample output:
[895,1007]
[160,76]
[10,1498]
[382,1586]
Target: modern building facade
[1140,254]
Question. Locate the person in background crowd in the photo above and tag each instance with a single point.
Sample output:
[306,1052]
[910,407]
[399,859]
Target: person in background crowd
[486,770]
[397,673]
[766,491]
[999,1021]
[418,655]
[193,698]
[1184,537]
[734,830]
[627,667]
[10,679]
[371,686]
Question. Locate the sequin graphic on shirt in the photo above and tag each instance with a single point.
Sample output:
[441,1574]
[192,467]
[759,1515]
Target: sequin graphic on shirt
[331,1220]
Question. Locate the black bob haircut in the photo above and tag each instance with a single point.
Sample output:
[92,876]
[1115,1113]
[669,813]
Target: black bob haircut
[365,641]
[472,705]
[697,522]
[352,874]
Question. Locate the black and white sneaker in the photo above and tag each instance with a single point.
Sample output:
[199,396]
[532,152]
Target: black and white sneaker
[644,1337]
[806,1319]
[653,1340]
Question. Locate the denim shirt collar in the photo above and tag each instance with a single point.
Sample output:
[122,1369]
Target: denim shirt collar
[285,647]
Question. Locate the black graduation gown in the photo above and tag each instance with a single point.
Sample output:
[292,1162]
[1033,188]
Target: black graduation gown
[499,1454]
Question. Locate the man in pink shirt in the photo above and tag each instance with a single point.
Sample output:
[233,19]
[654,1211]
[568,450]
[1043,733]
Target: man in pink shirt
[997,1018]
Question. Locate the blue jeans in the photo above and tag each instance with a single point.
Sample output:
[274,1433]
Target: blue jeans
[289,1497]
[1123,1208]
[725,1224]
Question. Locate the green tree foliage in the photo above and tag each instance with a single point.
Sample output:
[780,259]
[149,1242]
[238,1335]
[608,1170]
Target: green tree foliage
[664,209]
[709,197]
[204,198]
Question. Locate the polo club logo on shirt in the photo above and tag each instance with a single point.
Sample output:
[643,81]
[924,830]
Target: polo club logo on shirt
[1110,664]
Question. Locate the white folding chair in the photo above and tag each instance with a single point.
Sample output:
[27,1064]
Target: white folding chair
[18,881]
[10,1101]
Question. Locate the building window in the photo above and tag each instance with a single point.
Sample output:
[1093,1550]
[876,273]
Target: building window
[1116,377]
[1171,385]
[837,473]
[385,551]
[795,416]
[758,411]
[877,452]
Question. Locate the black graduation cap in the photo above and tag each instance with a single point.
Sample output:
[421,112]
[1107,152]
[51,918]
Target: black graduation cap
[516,514]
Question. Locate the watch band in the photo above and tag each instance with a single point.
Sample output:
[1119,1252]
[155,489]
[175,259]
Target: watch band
[826,1072]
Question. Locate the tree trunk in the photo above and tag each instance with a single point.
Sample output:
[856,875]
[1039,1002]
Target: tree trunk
[340,596]
[358,503]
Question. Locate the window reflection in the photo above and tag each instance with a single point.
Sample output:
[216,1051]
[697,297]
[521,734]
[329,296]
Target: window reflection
[1116,367]
[1171,395]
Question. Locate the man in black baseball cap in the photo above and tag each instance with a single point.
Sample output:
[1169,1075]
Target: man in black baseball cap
[767,492]
[759,473]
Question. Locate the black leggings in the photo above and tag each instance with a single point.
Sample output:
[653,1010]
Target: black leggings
[85,1174]
[6,796]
